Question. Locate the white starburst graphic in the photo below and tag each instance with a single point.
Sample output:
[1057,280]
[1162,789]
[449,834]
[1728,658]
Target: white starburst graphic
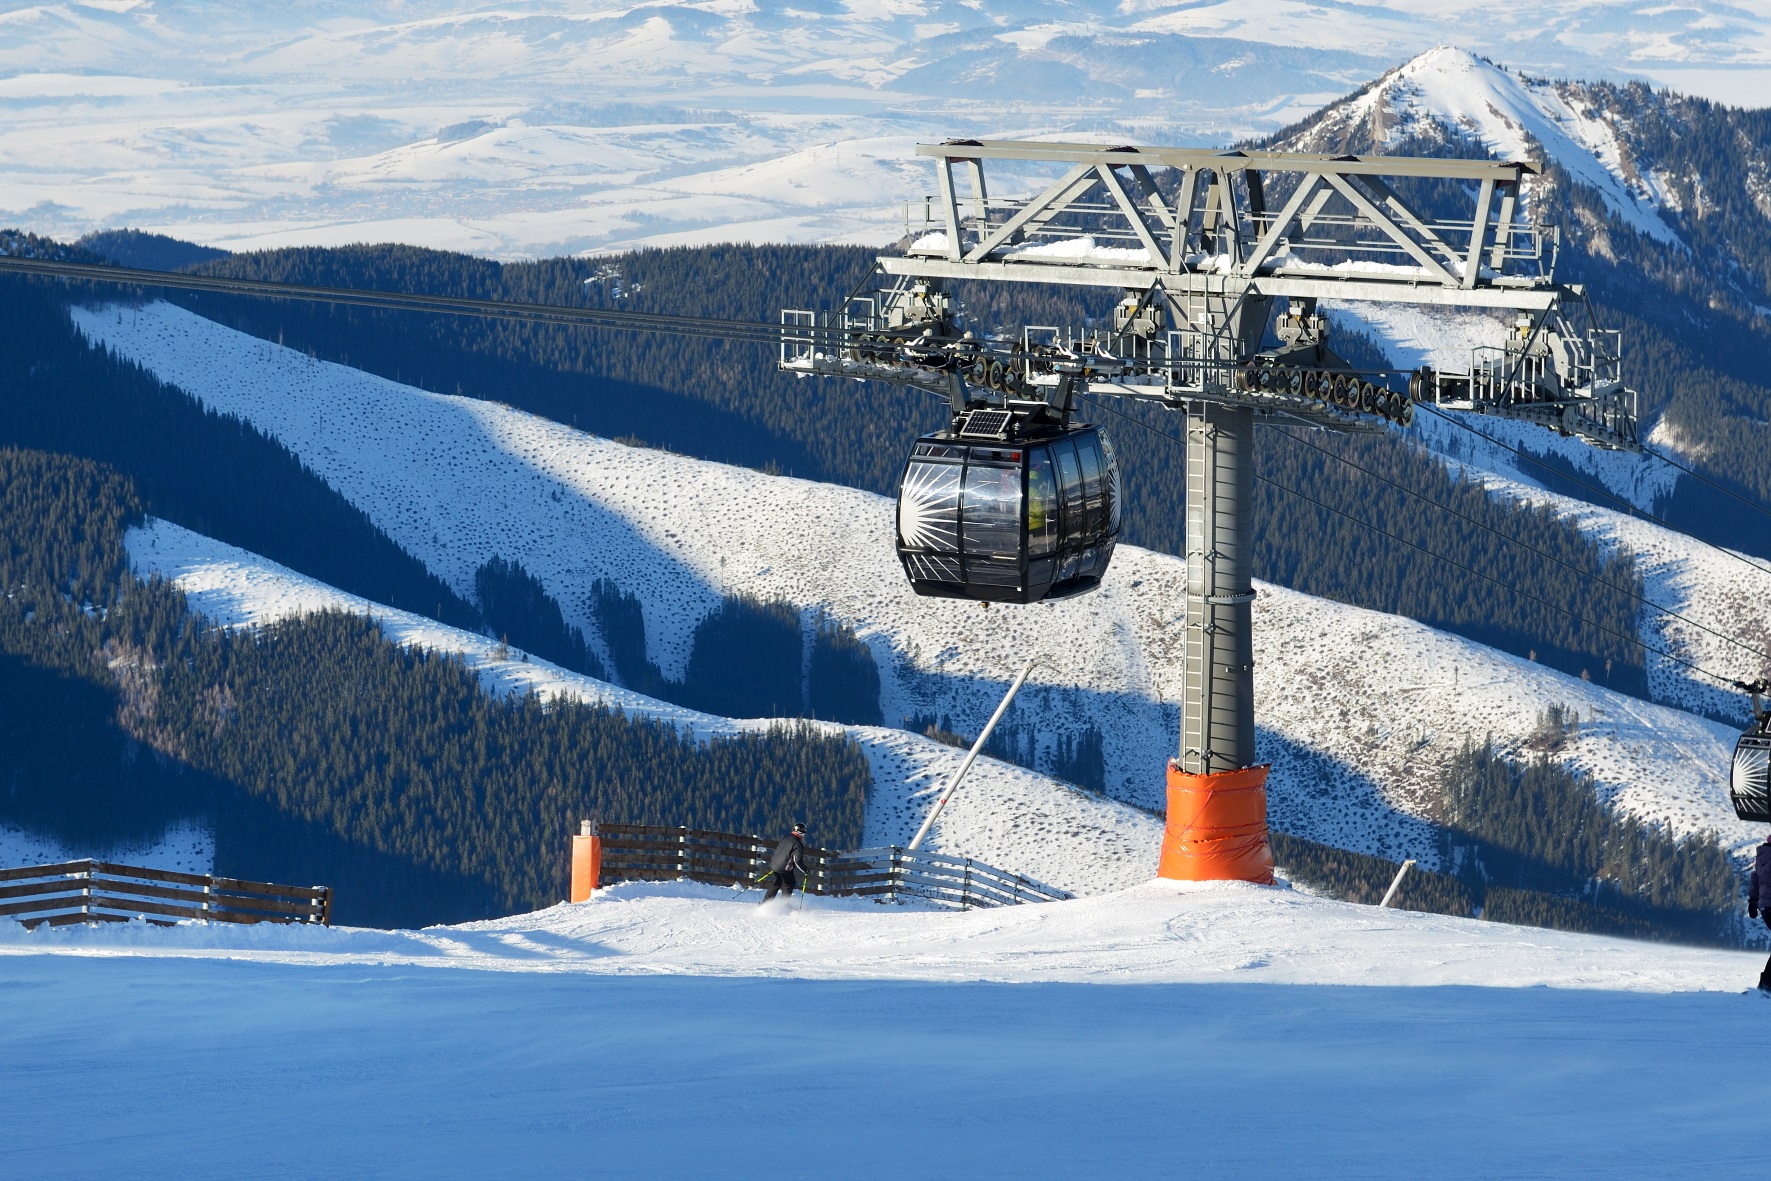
[928,507]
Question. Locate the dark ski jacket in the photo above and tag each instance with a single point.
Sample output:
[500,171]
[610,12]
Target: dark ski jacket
[1759,895]
[786,855]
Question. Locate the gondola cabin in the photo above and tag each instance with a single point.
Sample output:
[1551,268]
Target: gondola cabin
[1750,784]
[1006,508]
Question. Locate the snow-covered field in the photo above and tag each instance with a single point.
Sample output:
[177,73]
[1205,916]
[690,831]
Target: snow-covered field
[1213,1030]
[1355,741]
[534,127]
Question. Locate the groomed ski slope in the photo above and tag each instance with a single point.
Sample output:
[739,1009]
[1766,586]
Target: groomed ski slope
[1007,817]
[669,1031]
[1358,709]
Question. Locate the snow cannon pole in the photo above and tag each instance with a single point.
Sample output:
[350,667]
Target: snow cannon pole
[971,756]
[1390,894]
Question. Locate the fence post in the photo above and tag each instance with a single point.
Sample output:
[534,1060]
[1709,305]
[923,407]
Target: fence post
[682,851]
[965,891]
[587,862]
[895,873]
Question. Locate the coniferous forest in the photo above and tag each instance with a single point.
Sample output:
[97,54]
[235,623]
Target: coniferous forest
[319,751]
[1535,845]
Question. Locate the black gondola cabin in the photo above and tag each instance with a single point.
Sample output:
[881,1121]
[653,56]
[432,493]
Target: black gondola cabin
[1750,784]
[1005,509]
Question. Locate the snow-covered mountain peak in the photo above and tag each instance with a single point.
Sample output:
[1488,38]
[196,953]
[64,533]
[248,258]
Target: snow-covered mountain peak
[1449,93]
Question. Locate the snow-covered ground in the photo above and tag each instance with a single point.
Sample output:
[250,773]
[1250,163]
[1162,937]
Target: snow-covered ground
[532,127]
[1157,932]
[1356,741]
[666,1031]
[186,847]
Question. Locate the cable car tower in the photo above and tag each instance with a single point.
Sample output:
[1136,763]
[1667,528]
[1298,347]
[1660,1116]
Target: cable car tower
[1222,259]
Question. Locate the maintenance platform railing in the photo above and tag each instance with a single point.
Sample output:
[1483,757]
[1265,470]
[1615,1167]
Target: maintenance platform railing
[641,852]
[90,891]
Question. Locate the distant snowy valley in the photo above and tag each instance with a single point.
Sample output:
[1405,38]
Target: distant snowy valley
[537,127]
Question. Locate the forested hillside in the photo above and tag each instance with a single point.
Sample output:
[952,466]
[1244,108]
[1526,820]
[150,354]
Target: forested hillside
[219,476]
[1535,846]
[318,751]
[1692,309]
[726,402]
[210,473]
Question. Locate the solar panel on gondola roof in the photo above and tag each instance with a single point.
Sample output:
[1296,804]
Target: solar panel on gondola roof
[987,424]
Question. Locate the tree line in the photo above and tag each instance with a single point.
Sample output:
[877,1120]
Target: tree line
[1534,844]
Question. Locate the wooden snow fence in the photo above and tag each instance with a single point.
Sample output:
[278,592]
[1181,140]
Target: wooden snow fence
[643,852]
[103,891]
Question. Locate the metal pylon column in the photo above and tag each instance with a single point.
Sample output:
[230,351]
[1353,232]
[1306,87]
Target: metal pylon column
[1217,701]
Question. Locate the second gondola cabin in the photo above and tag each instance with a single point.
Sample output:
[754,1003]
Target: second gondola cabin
[1749,785]
[1006,508]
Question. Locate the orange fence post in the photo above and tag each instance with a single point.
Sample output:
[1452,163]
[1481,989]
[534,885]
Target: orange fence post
[587,861]
[1217,827]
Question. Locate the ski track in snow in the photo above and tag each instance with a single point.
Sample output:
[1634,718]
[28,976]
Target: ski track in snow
[664,1031]
[1356,741]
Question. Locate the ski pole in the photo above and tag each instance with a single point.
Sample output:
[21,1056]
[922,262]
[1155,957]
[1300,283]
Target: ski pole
[759,881]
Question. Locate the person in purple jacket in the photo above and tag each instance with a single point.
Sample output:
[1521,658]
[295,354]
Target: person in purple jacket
[1758,901]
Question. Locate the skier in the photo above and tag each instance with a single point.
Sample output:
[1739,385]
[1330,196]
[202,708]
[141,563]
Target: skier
[785,867]
[1758,901]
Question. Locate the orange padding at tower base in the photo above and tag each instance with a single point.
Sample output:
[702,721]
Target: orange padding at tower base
[1217,827]
[587,866]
